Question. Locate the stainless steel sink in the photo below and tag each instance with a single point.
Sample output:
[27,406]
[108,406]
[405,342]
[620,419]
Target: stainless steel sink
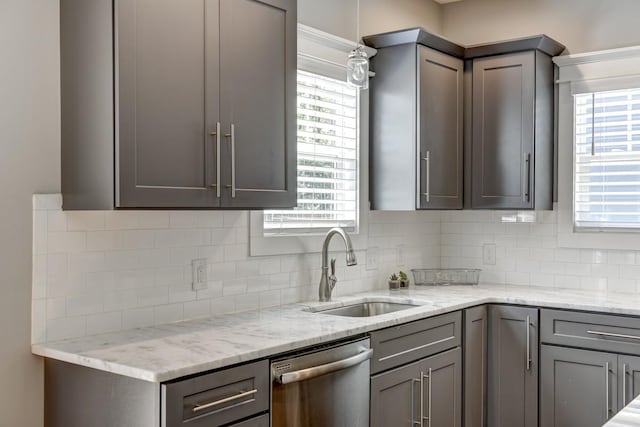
[367,309]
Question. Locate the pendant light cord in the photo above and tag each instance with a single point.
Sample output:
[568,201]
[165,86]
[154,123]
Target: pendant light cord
[357,23]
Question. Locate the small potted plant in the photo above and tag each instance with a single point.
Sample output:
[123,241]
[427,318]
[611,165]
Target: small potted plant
[394,281]
[404,279]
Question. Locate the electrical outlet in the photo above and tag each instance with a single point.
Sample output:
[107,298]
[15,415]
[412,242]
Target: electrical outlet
[400,255]
[199,274]
[489,254]
[372,258]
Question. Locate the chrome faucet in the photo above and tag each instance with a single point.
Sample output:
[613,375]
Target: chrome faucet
[328,282]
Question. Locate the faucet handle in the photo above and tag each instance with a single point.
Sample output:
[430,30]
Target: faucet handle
[333,266]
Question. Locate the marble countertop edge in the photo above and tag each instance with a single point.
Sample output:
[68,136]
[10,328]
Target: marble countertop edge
[167,352]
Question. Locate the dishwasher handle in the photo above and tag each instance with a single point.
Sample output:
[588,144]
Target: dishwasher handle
[316,371]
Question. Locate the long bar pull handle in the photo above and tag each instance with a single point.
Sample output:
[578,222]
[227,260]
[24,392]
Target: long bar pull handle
[624,384]
[232,135]
[606,391]
[217,135]
[429,397]
[611,334]
[527,183]
[413,401]
[202,406]
[528,343]
[427,172]
[422,417]
[316,371]
[422,376]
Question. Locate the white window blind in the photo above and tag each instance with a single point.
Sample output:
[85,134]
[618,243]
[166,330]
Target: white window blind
[327,159]
[607,159]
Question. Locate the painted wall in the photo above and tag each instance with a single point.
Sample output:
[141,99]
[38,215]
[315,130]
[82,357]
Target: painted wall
[376,16]
[29,163]
[581,25]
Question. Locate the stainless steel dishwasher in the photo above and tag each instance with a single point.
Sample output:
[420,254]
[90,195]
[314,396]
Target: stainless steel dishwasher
[325,387]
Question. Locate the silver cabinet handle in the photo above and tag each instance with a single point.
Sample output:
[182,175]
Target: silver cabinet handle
[624,384]
[429,397]
[202,406]
[422,376]
[528,343]
[422,417]
[527,183]
[427,160]
[606,390]
[611,334]
[217,135]
[413,401]
[316,371]
[232,135]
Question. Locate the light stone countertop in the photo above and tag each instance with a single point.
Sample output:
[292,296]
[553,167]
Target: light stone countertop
[629,416]
[166,352]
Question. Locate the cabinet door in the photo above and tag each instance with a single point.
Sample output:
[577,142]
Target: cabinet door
[475,366]
[395,397]
[503,131]
[258,102]
[513,367]
[440,106]
[629,379]
[442,389]
[165,52]
[578,387]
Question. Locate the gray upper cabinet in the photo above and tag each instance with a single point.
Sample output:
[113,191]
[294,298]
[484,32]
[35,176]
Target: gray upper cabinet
[503,106]
[258,99]
[168,85]
[512,132]
[513,367]
[178,104]
[416,156]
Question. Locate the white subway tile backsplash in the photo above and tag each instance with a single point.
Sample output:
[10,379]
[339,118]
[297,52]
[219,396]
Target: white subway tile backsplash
[168,313]
[138,318]
[101,271]
[85,220]
[104,322]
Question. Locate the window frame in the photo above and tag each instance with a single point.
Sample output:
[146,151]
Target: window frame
[325,54]
[581,73]
[307,231]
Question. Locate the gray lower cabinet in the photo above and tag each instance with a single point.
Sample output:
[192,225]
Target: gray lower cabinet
[427,392]
[578,388]
[513,367]
[416,157]
[476,324]
[629,379]
[587,386]
[178,103]
[76,396]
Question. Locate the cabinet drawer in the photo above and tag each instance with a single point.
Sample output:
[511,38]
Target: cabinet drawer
[594,331]
[217,398]
[401,344]
[261,421]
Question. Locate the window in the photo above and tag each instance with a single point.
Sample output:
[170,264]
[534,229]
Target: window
[607,159]
[327,159]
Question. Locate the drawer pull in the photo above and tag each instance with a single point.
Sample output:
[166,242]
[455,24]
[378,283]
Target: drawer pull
[611,334]
[201,407]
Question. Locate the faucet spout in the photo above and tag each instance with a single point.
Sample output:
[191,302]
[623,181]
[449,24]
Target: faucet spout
[327,283]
